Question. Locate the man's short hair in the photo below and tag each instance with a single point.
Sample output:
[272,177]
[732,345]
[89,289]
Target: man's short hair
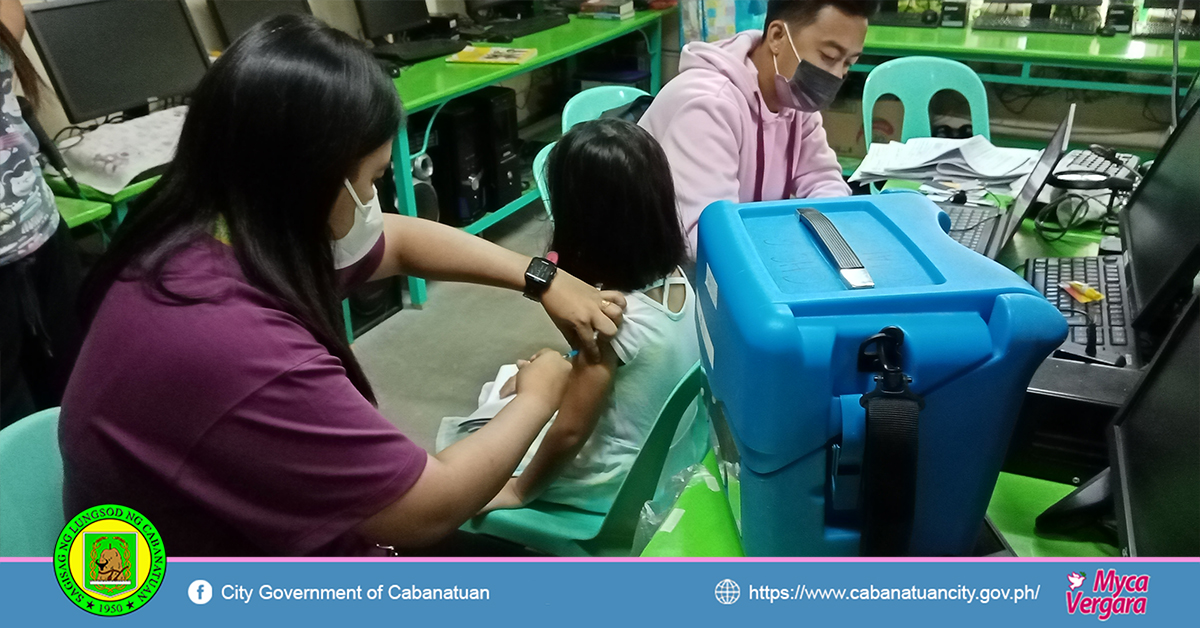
[801,13]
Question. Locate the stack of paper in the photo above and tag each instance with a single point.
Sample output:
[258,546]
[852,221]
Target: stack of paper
[942,159]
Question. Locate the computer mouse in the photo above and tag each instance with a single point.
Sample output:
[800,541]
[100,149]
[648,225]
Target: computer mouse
[389,68]
[1106,31]
[500,39]
[930,17]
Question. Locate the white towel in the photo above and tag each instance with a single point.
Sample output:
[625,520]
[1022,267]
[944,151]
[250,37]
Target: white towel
[454,428]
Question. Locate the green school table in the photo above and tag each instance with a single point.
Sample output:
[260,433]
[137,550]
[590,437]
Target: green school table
[431,84]
[1025,58]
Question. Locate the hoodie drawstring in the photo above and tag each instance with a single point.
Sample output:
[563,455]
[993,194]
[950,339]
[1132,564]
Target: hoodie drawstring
[762,157]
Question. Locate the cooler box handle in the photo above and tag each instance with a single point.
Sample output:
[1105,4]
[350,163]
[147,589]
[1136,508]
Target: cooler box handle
[836,249]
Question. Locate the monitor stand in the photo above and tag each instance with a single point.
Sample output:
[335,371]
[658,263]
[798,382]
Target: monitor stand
[1089,508]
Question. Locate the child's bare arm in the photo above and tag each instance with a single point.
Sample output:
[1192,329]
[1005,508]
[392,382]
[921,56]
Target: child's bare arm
[587,391]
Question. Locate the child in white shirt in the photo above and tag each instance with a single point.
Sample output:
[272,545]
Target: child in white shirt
[616,226]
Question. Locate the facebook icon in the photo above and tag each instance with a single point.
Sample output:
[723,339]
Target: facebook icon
[200,592]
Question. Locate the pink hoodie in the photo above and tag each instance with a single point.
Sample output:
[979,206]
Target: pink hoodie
[708,120]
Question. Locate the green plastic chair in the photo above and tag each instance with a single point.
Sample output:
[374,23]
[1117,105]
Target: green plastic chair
[914,80]
[565,531]
[31,481]
[590,103]
[539,175]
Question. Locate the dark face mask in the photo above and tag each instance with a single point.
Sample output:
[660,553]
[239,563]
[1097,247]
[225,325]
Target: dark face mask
[810,88]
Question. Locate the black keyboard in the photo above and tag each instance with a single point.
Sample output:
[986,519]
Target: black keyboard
[892,18]
[510,30]
[1001,22]
[1166,30]
[419,50]
[1088,161]
[969,225]
[1103,273]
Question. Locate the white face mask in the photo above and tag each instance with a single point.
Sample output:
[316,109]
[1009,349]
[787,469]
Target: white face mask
[367,228]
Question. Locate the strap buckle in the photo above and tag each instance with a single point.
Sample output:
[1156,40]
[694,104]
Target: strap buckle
[886,361]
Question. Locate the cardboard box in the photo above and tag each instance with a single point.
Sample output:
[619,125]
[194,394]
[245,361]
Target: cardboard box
[844,126]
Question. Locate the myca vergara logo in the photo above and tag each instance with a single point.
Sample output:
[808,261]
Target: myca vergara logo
[1111,594]
[109,560]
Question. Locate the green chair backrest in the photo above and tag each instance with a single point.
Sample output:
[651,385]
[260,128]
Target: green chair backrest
[539,175]
[640,485]
[31,480]
[590,103]
[914,80]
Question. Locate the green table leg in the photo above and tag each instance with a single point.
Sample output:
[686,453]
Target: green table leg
[346,321]
[402,167]
[655,57]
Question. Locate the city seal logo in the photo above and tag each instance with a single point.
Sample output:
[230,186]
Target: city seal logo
[109,560]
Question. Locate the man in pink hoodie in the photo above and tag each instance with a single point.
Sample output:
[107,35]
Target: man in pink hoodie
[741,120]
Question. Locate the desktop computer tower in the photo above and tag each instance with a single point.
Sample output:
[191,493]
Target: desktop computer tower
[458,163]
[373,302]
[497,107]
[1059,434]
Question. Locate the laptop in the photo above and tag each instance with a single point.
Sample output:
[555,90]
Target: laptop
[1160,233]
[986,230]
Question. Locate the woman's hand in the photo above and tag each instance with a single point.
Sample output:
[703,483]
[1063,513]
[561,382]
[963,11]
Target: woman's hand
[508,497]
[543,378]
[582,313]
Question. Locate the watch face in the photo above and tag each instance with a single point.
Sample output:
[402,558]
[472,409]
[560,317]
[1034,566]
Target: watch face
[541,271]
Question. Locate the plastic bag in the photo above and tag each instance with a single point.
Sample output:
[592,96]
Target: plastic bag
[656,511]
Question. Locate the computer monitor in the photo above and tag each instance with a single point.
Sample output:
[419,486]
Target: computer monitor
[235,17]
[106,56]
[1078,3]
[1161,225]
[1170,4]
[1046,163]
[1055,149]
[385,17]
[1154,450]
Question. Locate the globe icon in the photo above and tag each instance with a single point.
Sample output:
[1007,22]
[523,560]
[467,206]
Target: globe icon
[727,591]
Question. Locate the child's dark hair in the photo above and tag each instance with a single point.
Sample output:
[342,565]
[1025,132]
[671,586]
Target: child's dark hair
[613,201]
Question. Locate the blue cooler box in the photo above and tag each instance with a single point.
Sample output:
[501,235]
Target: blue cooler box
[783,338]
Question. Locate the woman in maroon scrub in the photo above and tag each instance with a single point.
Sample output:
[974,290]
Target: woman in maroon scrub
[215,392]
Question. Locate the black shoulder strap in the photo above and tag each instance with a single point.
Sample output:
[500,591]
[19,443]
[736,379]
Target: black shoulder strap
[889,471]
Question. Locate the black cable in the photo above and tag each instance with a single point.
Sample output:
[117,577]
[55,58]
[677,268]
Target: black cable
[1054,233]
[1081,313]
[1090,346]
[70,131]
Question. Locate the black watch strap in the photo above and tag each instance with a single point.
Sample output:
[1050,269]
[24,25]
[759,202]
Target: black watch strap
[538,276]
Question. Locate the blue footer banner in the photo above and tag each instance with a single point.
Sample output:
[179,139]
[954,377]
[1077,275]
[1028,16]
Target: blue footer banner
[181,592]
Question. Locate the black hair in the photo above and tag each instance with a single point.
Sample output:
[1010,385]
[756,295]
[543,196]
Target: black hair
[613,201]
[31,83]
[273,128]
[801,13]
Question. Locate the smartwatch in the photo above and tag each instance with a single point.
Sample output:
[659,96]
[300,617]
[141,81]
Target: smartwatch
[538,276]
